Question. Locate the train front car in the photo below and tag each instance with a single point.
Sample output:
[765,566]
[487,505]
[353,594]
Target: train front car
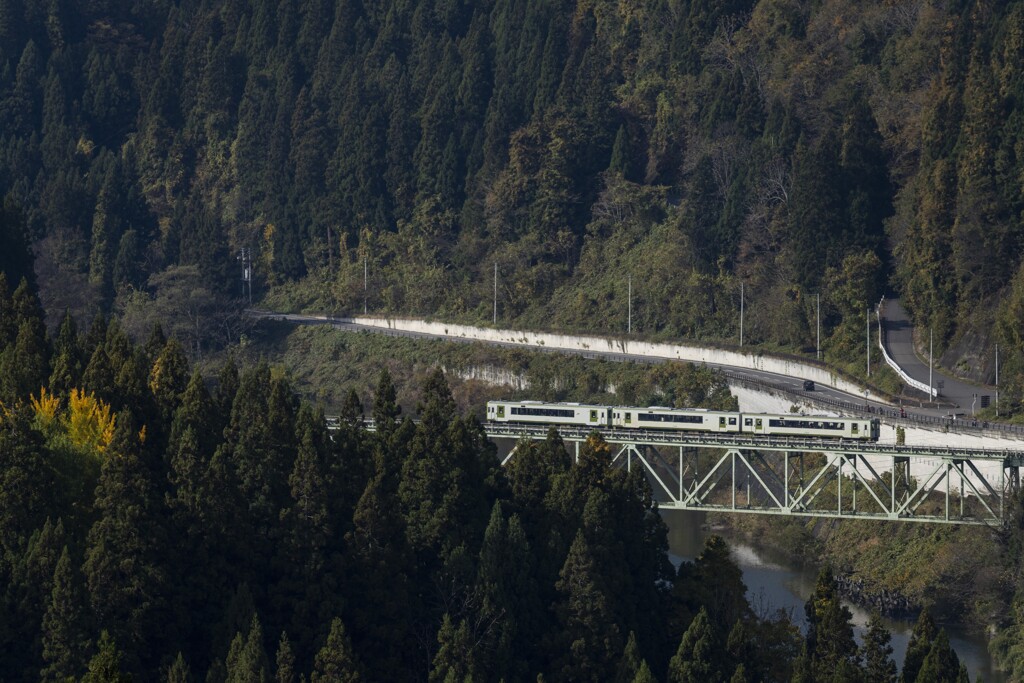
[679,419]
[814,426]
[538,412]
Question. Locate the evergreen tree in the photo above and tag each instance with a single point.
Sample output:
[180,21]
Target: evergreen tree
[67,358]
[24,366]
[385,409]
[26,482]
[877,652]
[125,564]
[336,660]
[285,661]
[830,641]
[591,635]
[377,559]
[16,261]
[697,658]
[197,412]
[28,589]
[179,671]
[454,660]
[940,665]
[308,562]
[105,666]
[168,378]
[510,607]
[64,639]
[921,638]
[643,674]
[98,378]
[247,660]
[629,664]
[227,387]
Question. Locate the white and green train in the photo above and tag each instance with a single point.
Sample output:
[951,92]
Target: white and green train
[681,419]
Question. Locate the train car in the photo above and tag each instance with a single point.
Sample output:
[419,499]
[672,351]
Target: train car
[811,426]
[538,412]
[685,419]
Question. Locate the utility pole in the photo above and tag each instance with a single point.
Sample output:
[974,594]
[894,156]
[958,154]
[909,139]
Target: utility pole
[817,298]
[867,328]
[366,272]
[930,364]
[245,256]
[495,292]
[330,251]
[997,380]
[741,314]
[629,319]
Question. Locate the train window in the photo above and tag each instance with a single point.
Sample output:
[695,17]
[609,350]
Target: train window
[544,412]
[747,422]
[732,420]
[659,417]
[501,411]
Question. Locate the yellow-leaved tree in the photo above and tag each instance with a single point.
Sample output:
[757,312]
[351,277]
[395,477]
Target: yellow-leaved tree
[89,422]
[45,406]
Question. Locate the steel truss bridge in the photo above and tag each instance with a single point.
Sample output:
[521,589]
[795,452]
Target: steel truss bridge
[803,476]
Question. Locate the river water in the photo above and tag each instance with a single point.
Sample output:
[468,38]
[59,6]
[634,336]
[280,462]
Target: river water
[775,582]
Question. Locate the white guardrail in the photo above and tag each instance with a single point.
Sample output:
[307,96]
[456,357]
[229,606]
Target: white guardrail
[892,364]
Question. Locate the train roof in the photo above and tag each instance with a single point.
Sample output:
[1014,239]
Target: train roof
[553,403]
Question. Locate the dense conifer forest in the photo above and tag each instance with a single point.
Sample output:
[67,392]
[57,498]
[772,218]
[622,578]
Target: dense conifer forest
[157,528]
[156,524]
[797,146]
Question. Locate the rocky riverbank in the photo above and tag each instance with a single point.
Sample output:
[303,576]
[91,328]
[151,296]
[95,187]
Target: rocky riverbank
[897,568]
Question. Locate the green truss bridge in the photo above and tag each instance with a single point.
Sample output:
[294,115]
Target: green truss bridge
[806,477]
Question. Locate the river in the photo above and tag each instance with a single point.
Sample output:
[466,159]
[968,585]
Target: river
[775,582]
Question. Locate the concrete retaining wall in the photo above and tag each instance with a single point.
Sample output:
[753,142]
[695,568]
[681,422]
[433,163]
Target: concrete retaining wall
[694,354]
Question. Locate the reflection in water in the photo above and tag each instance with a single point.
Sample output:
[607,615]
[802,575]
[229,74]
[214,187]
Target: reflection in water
[774,583]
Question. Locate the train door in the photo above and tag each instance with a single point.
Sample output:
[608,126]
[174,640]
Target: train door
[721,423]
[855,429]
[593,417]
[629,418]
[758,425]
[501,412]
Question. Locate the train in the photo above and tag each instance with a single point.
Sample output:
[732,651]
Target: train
[682,419]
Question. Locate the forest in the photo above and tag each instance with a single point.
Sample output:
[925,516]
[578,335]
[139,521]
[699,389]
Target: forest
[796,148]
[168,513]
[157,526]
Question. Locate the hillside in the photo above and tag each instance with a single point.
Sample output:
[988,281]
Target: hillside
[798,148]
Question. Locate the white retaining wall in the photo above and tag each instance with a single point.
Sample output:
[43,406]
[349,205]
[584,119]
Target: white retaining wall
[681,352]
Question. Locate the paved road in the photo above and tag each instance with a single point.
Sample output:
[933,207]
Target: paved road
[899,333]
